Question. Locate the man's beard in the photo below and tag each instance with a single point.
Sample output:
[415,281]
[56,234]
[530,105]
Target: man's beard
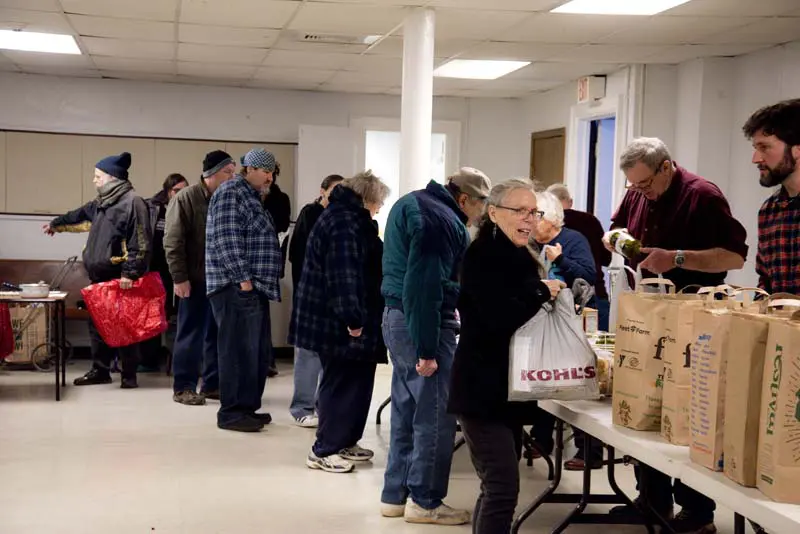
[785,169]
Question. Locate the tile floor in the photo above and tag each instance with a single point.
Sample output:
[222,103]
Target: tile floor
[106,460]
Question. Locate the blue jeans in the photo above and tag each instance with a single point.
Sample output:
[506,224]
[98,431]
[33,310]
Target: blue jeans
[242,319]
[422,432]
[307,372]
[195,350]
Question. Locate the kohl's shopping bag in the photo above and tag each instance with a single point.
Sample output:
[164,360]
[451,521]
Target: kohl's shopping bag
[551,357]
[127,316]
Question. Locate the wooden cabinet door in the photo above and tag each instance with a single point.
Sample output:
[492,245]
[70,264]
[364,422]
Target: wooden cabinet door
[547,156]
[43,173]
[142,172]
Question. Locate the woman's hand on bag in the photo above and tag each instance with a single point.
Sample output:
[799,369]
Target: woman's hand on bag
[555,287]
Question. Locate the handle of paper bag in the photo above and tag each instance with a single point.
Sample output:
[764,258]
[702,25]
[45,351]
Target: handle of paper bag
[749,294]
[667,286]
[781,300]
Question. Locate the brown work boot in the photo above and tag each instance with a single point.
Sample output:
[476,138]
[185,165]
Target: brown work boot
[189,398]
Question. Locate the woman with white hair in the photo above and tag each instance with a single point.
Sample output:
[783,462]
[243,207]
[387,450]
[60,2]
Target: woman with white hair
[567,252]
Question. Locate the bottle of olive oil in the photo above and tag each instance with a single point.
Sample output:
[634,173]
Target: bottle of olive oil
[624,243]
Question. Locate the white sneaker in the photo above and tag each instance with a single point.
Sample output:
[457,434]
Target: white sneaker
[393,510]
[443,515]
[307,421]
[356,453]
[330,464]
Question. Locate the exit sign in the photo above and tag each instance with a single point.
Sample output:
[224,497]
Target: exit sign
[591,88]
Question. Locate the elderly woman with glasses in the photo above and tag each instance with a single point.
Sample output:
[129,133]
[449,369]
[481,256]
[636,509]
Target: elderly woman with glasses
[501,290]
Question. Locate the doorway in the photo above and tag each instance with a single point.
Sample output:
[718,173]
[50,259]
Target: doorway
[600,170]
[547,156]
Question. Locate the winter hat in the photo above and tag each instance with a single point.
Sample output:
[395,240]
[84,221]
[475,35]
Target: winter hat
[472,182]
[215,161]
[116,166]
[260,159]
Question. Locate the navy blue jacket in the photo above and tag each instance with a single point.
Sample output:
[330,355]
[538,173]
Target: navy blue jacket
[340,284]
[576,260]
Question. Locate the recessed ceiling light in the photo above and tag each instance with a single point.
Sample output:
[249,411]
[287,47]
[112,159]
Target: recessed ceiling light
[38,42]
[478,69]
[618,7]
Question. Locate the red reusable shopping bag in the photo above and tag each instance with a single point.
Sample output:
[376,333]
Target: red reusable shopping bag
[6,332]
[126,316]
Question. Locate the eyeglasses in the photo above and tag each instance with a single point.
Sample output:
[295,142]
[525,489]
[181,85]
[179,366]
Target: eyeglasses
[523,213]
[647,183]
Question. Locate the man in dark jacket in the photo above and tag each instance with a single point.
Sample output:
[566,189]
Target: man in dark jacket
[185,248]
[337,314]
[307,367]
[425,241]
[118,246]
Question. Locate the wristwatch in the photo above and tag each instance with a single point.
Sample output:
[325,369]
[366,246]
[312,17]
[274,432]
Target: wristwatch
[680,259]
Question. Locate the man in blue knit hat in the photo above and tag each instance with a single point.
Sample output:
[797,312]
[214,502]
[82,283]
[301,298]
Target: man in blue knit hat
[243,267]
[118,246]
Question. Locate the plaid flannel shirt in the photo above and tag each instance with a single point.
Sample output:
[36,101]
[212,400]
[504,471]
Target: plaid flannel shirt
[778,259]
[241,243]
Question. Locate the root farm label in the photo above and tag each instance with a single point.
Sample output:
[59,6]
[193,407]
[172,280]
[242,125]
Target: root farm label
[779,440]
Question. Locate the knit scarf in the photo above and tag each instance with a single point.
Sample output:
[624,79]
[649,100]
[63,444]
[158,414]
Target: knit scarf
[110,193]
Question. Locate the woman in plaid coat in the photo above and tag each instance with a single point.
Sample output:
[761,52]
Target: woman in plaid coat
[337,314]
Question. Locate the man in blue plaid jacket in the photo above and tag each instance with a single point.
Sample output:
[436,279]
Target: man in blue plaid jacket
[243,266]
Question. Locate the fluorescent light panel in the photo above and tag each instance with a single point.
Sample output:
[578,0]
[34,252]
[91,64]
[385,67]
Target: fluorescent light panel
[618,7]
[38,42]
[478,69]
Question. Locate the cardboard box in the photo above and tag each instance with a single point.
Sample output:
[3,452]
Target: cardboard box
[34,335]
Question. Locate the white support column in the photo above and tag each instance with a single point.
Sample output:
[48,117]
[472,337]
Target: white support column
[419,31]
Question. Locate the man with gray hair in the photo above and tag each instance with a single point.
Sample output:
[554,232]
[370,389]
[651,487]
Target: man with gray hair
[689,235]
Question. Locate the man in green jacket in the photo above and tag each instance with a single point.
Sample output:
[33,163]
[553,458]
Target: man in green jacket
[425,240]
[185,248]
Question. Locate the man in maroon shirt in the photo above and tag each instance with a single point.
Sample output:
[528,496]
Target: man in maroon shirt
[689,236]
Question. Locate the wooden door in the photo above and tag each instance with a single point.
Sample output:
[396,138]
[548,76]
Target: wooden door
[547,156]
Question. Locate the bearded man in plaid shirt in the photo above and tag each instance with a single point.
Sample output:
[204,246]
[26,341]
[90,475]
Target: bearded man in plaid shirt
[775,133]
[243,266]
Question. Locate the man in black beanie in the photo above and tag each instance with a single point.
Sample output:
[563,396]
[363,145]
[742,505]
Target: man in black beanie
[185,247]
[118,246]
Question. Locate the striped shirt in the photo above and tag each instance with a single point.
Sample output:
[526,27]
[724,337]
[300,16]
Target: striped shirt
[778,258]
[241,243]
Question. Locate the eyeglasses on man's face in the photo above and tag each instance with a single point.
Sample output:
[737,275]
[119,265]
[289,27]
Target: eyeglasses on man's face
[647,183]
[524,213]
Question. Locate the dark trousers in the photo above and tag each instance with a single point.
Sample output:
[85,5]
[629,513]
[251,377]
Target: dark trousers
[243,350]
[195,350]
[596,452]
[495,449]
[660,491]
[103,355]
[542,430]
[345,394]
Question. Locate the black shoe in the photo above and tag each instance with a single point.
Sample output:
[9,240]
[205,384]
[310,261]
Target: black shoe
[93,378]
[272,372]
[688,522]
[129,383]
[245,424]
[639,508]
[213,395]
[265,418]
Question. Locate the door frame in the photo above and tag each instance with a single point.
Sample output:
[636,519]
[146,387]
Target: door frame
[546,134]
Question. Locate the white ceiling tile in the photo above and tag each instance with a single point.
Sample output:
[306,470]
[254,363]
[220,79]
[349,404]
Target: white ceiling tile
[6,64]
[33,5]
[301,75]
[491,93]
[564,28]
[763,31]
[221,54]
[137,65]
[500,5]
[354,88]
[517,51]
[610,53]
[34,21]
[239,13]
[454,84]
[566,71]
[209,80]
[664,30]
[282,85]
[62,71]
[128,29]
[292,40]
[101,46]
[734,8]
[216,70]
[347,19]
[369,77]
[227,36]
[377,64]
[297,59]
[475,24]
[42,59]
[679,54]
[142,76]
[507,83]
[163,10]
[444,48]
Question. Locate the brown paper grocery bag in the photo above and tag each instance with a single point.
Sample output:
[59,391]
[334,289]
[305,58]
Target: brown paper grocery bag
[707,415]
[779,437]
[639,361]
